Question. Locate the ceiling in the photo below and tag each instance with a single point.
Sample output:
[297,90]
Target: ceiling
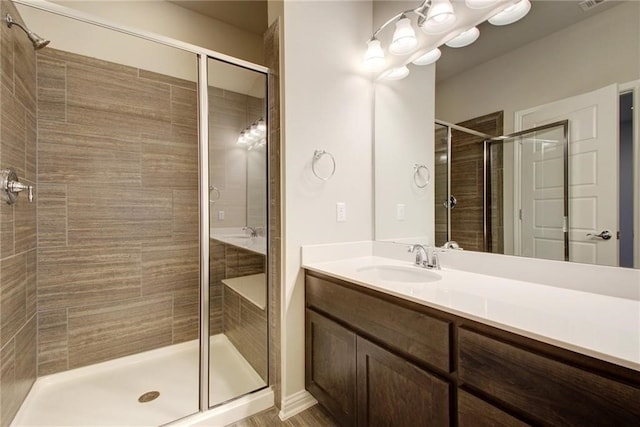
[545,17]
[249,15]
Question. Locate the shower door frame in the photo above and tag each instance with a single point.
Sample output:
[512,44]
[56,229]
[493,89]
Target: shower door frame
[202,55]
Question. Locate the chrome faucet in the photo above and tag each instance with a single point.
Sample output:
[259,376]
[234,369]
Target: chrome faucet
[423,258]
[253,233]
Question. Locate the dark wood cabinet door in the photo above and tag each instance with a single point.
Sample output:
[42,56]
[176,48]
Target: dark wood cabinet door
[394,392]
[330,374]
[475,412]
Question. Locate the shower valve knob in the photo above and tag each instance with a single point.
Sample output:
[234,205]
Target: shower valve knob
[10,186]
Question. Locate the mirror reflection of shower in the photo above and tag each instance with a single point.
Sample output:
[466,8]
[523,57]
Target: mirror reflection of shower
[37,41]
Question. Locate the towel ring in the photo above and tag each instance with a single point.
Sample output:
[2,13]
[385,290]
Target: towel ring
[416,175]
[218,194]
[317,155]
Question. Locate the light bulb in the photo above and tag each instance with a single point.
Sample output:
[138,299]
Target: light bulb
[440,17]
[428,58]
[242,139]
[262,127]
[404,38]
[374,56]
[480,4]
[511,14]
[254,130]
[397,73]
[465,38]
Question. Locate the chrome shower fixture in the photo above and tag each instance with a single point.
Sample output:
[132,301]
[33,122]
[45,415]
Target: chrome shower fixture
[38,42]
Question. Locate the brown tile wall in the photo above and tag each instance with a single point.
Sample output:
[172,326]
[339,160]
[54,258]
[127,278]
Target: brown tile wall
[117,223]
[272,39]
[467,176]
[18,252]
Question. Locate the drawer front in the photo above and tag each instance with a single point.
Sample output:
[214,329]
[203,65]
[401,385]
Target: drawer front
[475,412]
[404,330]
[542,388]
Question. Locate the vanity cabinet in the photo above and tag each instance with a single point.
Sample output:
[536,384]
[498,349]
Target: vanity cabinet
[375,359]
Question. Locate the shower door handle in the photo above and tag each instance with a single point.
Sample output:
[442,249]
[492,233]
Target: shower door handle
[451,203]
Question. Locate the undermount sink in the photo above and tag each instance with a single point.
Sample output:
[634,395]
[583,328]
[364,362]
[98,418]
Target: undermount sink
[398,273]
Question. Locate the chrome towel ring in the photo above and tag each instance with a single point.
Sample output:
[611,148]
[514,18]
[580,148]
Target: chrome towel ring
[217,193]
[317,155]
[417,175]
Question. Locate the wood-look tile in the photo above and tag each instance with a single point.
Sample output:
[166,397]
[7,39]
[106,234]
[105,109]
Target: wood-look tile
[6,46]
[26,359]
[52,89]
[13,125]
[52,342]
[173,81]
[107,68]
[52,214]
[186,215]
[170,267]
[100,213]
[31,147]
[13,296]
[231,312]
[7,242]
[84,275]
[111,99]
[312,417]
[253,337]
[9,401]
[184,107]
[186,314]
[120,328]
[32,283]
[25,222]
[25,72]
[170,160]
[86,154]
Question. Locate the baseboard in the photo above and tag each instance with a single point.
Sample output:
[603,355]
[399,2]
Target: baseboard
[296,403]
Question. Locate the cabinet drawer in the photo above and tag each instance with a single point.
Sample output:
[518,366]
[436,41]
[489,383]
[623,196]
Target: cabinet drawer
[475,412]
[542,388]
[406,331]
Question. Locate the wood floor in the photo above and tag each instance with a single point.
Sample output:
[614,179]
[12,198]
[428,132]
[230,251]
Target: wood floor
[312,417]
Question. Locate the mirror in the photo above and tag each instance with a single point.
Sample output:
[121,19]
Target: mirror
[558,53]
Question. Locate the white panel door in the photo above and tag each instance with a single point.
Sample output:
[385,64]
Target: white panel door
[593,165]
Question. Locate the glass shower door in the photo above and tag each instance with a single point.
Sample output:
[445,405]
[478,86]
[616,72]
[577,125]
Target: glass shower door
[238,325]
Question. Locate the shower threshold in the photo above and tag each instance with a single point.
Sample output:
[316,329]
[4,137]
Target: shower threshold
[108,393]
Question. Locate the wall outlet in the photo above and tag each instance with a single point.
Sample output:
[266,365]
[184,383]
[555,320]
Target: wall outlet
[220,215]
[341,212]
[400,208]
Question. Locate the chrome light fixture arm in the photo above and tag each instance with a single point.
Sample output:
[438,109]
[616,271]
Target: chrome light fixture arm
[424,5]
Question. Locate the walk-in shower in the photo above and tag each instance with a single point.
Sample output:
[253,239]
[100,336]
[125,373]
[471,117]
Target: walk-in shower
[136,311]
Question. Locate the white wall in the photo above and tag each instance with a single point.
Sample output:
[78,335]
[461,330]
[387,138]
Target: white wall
[591,54]
[327,105]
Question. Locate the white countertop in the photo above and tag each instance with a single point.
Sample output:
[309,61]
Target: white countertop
[238,237]
[601,326]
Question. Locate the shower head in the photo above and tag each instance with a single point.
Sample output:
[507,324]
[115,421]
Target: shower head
[37,41]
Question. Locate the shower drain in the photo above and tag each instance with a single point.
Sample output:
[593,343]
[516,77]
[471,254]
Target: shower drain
[149,396]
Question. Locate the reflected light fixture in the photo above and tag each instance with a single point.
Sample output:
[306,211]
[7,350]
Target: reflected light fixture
[404,37]
[480,4]
[428,58]
[253,135]
[440,17]
[397,73]
[465,38]
[374,56]
[512,13]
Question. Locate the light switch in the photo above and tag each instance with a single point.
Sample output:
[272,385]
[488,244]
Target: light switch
[341,212]
[400,211]
[220,215]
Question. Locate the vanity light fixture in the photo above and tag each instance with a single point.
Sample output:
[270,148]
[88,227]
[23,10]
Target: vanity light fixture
[428,58]
[516,11]
[397,73]
[434,17]
[480,4]
[254,135]
[404,38]
[465,38]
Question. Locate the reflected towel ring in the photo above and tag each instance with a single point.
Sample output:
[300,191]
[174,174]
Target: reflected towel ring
[317,155]
[416,175]
[218,194]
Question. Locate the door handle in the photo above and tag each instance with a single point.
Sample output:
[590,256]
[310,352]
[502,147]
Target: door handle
[605,235]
